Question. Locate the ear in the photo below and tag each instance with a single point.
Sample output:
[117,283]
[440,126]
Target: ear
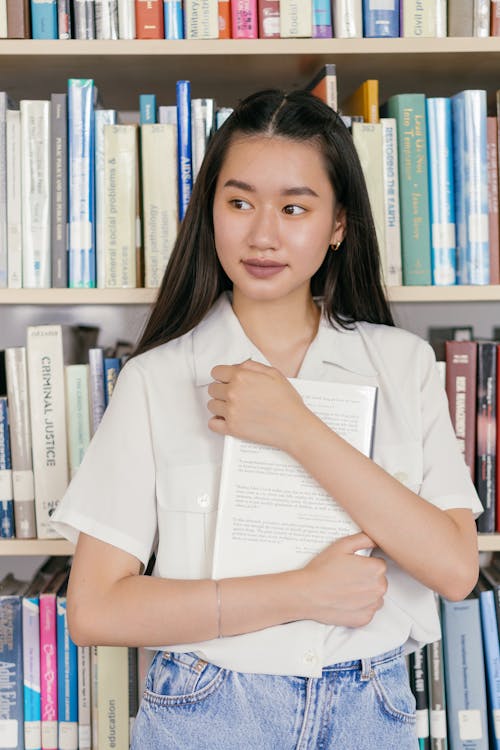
[339,226]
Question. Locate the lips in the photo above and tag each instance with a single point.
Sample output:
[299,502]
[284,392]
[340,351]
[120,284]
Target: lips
[263,268]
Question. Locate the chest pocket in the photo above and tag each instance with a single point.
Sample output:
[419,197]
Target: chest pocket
[403,461]
[187,499]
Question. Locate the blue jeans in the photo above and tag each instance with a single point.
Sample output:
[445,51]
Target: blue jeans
[355,705]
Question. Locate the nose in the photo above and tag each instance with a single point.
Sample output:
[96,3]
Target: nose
[264,230]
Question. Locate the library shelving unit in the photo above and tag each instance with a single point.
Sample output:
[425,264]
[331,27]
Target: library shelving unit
[228,70]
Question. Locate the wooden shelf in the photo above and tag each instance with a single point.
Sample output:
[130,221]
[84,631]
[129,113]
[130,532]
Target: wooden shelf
[42,547]
[444,293]
[77,296]
[488,542]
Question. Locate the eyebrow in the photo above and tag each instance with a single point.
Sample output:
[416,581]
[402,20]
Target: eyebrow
[300,190]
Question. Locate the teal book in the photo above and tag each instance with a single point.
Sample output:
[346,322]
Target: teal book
[410,113]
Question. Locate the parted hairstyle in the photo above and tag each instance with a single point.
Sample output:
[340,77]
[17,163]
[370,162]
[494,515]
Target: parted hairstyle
[348,281]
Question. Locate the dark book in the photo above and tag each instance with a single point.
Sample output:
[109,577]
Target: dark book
[493,228]
[461,369]
[83,19]
[418,682]
[438,337]
[486,431]
[269,19]
[64,19]
[59,188]
[324,85]
[437,696]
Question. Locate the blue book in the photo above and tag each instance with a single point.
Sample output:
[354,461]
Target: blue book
[173,18]
[184,149]
[441,191]
[464,674]
[6,488]
[111,372]
[489,627]
[82,262]
[380,18]
[147,109]
[322,19]
[44,19]
[471,186]
[11,662]
[67,677]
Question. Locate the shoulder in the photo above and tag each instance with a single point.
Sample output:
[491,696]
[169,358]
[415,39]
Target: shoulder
[394,341]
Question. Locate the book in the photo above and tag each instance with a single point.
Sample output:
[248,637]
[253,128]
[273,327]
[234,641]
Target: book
[77,410]
[18,19]
[493,218]
[348,19]
[67,676]
[126,19]
[44,19]
[324,85]
[460,17]
[96,388]
[322,19]
[489,629]
[147,109]
[11,662]
[481,18]
[149,19]
[418,19]
[184,145]
[202,127]
[20,443]
[269,19]
[4,105]
[6,491]
[392,229]
[437,696]
[380,19]
[64,19]
[13,244]
[111,371]
[224,9]
[59,191]
[84,699]
[84,19]
[296,18]
[272,516]
[111,701]
[486,436]
[461,372]
[419,684]
[106,19]
[102,117]
[201,19]
[364,102]
[495,18]
[244,19]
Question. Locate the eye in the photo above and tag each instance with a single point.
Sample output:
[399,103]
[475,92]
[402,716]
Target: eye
[240,204]
[292,210]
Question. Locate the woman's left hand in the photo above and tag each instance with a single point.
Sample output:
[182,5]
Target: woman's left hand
[255,402]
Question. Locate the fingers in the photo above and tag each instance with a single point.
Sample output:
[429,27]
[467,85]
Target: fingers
[225,373]
[355,542]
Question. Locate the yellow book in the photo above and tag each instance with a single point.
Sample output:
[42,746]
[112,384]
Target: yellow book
[364,102]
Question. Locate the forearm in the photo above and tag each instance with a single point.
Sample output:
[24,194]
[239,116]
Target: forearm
[410,530]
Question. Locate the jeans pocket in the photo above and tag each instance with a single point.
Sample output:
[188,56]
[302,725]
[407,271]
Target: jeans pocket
[392,686]
[178,678]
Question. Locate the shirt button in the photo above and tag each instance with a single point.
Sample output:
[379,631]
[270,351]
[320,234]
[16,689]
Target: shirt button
[309,657]
[203,500]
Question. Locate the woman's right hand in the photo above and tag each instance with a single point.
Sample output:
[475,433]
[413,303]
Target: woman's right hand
[342,588]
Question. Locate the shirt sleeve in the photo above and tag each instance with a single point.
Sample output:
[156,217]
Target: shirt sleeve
[112,496]
[447,481]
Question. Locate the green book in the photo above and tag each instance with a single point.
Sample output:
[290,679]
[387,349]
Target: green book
[409,111]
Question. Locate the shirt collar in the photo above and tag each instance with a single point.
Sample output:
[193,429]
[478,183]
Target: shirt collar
[220,339]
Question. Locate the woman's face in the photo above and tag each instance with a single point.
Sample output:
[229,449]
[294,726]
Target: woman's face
[275,216]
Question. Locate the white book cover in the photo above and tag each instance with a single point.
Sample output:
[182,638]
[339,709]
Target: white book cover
[202,124]
[160,198]
[167,114]
[120,205]
[348,19]
[3,19]
[78,414]
[441,18]
[20,442]
[106,19]
[126,19]
[35,186]
[481,17]
[112,697]
[296,18]
[84,702]
[14,201]
[102,117]
[391,202]
[201,19]
[272,515]
[367,139]
[3,189]
[419,18]
[48,421]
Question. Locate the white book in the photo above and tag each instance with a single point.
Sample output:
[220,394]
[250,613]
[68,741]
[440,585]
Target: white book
[419,18]
[120,210]
[44,350]
[84,700]
[481,18]
[77,413]
[348,19]
[167,114]
[126,19]
[3,19]
[296,18]
[367,139]
[3,189]
[160,198]
[111,663]
[202,125]
[106,19]
[102,117]
[391,202]
[272,515]
[14,201]
[36,190]
[201,19]
[441,18]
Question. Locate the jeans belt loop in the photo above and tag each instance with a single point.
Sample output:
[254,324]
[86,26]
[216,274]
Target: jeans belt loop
[366,669]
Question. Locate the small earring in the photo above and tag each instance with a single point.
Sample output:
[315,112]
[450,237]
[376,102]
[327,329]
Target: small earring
[335,247]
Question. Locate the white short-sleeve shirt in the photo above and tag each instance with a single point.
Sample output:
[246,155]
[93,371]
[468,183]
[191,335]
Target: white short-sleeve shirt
[149,479]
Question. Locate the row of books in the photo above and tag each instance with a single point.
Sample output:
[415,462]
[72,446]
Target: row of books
[53,693]
[455,681]
[246,19]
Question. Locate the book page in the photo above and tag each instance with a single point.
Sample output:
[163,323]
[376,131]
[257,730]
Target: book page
[272,515]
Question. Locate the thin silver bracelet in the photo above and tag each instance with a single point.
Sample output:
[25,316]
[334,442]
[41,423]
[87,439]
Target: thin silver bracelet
[217,592]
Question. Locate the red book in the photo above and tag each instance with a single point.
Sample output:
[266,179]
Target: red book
[149,19]
[495,18]
[269,19]
[461,371]
[492,146]
[224,19]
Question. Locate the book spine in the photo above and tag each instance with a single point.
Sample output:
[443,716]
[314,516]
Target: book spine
[201,19]
[497,509]
[6,492]
[14,202]
[418,19]
[491,645]
[326,86]
[126,19]
[81,269]
[437,701]
[18,19]
[493,218]
[48,421]
[409,111]
[460,18]
[441,22]
[322,19]
[48,671]
[63,19]
[31,673]
[44,19]
[96,388]
[173,20]
[380,18]
[160,203]
[84,19]
[77,402]
[394,271]
[495,18]
[102,117]
[119,216]
[112,698]
[348,19]
[486,433]
[295,18]
[244,19]
[20,433]
[84,701]
[59,200]
[441,191]
[202,127]
[67,681]
[184,147]
[481,22]
[224,9]
[461,371]
[111,372]
[11,674]
[106,19]
[35,150]
[3,191]
[269,19]
[149,19]
[418,682]
[147,109]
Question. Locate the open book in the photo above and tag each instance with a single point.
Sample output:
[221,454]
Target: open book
[272,515]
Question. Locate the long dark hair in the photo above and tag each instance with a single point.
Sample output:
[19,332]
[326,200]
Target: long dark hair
[348,280]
